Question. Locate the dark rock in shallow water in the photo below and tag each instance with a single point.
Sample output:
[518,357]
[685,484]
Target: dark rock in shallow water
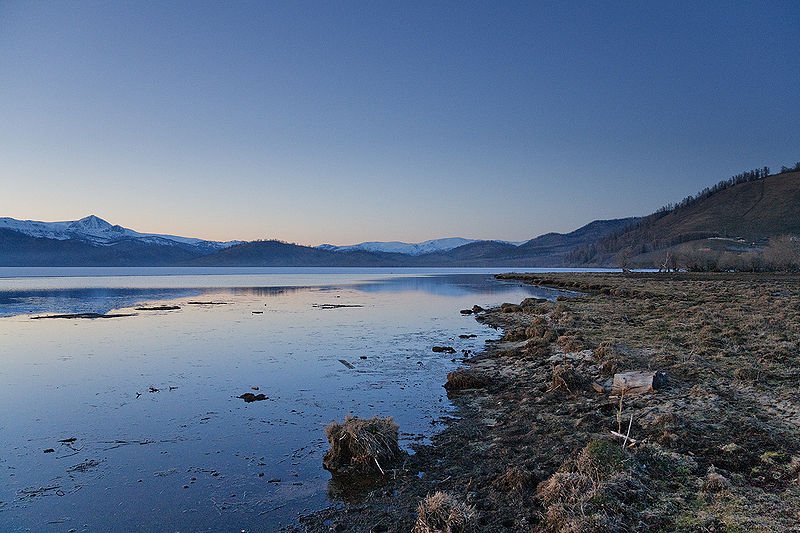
[470,336]
[159,308]
[477,309]
[443,349]
[335,306]
[83,315]
[466,311]
[250,397]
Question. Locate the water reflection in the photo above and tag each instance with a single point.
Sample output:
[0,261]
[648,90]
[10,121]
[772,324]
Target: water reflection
[90,300]
[101,300]
[453,285]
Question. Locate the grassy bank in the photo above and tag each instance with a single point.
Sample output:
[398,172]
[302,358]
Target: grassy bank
[716,448]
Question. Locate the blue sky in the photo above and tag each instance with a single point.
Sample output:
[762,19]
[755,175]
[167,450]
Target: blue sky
[349,121]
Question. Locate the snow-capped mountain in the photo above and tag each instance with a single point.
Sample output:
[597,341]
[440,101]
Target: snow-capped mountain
[420,248]
[97,231]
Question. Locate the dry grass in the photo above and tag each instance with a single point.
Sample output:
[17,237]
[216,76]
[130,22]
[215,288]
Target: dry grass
[714,481]
[361,447]
[515,479]
[566,378]
[590,491]
[570,343]
[441,513]
[463,379]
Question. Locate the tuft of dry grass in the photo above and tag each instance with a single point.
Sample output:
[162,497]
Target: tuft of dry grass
[361,447]
[589,492]
[515,479]
[566,378]
[442,513]
[462,379]
[714,481]
[570,343]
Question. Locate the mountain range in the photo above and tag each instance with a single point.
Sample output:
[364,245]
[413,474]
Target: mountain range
[736,215]
[92,241]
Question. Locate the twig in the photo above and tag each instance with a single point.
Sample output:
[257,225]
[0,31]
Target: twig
[628,434]
[633,442]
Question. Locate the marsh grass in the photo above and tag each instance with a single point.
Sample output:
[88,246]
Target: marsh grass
[442,513]
[361,447]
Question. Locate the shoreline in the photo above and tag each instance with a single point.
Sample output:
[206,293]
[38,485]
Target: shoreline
[717,448]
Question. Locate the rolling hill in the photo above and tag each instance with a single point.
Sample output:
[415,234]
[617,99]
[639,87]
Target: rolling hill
[737,218]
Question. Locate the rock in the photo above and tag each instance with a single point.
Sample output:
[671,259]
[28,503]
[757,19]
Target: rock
[466,311]
[443,349]
[250,397]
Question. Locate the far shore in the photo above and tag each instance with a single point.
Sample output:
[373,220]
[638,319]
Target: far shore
[543,446]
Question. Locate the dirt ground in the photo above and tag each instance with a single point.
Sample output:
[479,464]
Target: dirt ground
[716,448]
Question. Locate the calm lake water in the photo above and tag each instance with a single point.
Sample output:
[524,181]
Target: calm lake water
[141,412]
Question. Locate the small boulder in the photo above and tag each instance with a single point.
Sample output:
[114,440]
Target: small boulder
[443,349]
[250,397]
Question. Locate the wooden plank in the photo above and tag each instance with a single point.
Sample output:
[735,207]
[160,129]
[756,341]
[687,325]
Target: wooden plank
[636,382]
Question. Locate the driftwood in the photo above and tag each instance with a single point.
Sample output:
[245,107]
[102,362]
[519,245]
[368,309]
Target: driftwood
[637,382]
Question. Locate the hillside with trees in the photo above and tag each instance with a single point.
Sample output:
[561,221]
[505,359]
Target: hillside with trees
[747,222]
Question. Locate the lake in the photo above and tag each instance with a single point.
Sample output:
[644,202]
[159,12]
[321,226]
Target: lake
[135,422]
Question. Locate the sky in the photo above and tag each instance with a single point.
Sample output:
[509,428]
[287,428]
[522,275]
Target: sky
[341,122]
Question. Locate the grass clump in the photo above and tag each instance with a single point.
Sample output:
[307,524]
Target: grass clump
[463,379]
[361,447]
[442,513]
[590,492]
[570,343]
[566,378]
[515,479]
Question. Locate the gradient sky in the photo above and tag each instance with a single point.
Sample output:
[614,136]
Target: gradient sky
[349,121]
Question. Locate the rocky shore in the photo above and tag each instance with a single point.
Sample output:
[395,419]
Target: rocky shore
[544,444]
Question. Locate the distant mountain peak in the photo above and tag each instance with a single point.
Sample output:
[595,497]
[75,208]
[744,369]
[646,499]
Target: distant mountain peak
[94,220]
[91,223]
[97,231]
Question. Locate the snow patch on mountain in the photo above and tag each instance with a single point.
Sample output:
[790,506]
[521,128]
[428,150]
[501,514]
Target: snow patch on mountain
[397,247]
[98,231]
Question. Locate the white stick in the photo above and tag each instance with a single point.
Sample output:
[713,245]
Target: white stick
[629,432]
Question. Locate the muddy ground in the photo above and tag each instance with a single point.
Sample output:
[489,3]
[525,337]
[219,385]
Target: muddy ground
[715,449]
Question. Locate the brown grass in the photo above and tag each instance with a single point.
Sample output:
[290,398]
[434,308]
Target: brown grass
[570,343]
[514,479]
[442,513]
[361,447]
[589,492]
[463,379]
[566,378]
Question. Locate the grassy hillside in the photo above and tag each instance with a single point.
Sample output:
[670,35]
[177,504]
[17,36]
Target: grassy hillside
[752,211]
[739,217]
